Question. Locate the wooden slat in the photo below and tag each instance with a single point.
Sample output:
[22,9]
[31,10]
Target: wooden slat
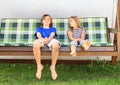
[30,49]
[91,53]
[87,53]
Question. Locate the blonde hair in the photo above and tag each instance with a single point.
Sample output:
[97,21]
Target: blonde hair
[43,17]
[77,22]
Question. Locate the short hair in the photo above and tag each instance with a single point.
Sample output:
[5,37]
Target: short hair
[43,17]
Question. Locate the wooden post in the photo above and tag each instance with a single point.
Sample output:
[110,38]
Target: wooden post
[119,9]
[118,43]
[117,37]
[118,26]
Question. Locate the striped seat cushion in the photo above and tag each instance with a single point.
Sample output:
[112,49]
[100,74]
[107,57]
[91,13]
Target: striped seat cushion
[20,31]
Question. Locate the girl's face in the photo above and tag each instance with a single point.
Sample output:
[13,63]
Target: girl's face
[73,23]
[46,21]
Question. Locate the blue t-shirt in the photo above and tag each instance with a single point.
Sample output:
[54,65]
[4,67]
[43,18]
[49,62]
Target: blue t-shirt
[45,32]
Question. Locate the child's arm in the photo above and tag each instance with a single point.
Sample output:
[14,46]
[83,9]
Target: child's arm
[39,36]
[70,36]
[82,36]
[51,36]
[45,40]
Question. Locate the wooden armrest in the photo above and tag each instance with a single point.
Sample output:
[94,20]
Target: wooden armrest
[112,30]
[118,30]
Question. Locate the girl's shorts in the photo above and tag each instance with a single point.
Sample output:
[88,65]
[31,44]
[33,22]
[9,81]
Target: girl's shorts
[77,43]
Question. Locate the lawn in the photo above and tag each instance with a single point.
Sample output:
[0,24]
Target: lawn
[91,74]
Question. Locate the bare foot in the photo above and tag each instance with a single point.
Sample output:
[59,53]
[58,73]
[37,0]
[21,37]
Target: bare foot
[39,70]
[73,54]
[53,73]
[86,45]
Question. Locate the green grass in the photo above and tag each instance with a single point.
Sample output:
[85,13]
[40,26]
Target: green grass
[24,74]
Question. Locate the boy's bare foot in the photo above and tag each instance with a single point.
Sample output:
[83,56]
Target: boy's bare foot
[38,73]
[86,45]
[73,54]
[53,73]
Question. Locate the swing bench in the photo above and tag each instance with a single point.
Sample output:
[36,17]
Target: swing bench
[17,36]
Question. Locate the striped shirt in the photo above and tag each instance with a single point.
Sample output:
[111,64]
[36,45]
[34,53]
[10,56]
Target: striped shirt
[77,32]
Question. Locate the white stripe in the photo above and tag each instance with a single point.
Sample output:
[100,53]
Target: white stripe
[6,30]
[18,30]
[30,30]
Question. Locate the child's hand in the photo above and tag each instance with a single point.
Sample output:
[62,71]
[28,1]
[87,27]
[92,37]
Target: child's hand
[46,40]
[77,39]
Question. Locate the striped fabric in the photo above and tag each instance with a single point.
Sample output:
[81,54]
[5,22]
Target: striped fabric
[20,31]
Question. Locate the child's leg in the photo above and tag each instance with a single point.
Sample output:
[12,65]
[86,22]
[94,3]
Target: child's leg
[54,46]
[86,44]
[37,54]
[73,48]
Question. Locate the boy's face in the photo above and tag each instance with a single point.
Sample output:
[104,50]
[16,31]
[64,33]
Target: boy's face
[46,21]
[73,23]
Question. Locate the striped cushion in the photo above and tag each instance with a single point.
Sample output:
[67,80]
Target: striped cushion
[20,32]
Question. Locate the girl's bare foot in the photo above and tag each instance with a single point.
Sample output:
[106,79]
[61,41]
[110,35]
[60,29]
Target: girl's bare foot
[73,54]
[86,45]
[39,70]
[53,73]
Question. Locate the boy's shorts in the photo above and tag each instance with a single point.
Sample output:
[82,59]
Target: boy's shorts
[50,43]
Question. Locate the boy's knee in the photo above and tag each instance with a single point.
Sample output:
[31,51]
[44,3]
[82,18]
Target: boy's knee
[55,46]
[37,44]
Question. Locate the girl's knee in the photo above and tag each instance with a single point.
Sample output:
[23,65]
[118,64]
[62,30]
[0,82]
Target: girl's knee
[74,43]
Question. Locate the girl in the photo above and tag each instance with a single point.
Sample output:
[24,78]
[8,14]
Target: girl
[77,35]
[46,36]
